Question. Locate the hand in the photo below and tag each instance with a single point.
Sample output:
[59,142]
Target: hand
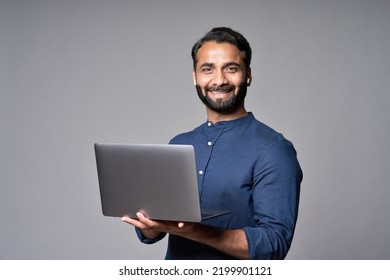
[232,242]
[152,228]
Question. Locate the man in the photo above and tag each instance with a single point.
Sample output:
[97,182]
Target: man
[243,166]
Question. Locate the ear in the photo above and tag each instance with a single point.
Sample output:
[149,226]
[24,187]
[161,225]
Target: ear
[248,77]
[194,78]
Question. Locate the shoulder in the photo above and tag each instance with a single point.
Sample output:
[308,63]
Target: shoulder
[270,144]
[187,137]
[264,137]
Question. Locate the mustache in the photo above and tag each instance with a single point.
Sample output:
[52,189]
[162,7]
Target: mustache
[223,88]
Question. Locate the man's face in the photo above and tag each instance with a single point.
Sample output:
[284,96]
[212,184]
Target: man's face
[220,77]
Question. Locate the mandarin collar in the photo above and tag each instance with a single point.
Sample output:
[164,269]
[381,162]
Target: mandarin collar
[231,124]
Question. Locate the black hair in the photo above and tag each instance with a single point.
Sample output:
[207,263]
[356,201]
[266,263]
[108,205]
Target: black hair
[224,35]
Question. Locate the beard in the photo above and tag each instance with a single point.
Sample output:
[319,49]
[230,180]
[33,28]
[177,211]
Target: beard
[219,105]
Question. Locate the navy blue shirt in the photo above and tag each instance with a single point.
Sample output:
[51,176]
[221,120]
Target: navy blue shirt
[251,170]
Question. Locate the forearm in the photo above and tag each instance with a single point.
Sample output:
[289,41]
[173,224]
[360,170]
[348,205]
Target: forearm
[231,242]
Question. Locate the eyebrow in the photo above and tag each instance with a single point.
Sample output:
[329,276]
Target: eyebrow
[232,63]
[206,65]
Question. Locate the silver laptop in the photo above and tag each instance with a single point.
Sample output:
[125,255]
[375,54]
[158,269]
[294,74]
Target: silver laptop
[158,180]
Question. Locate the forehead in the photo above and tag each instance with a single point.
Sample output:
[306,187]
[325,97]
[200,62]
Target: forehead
[213,52]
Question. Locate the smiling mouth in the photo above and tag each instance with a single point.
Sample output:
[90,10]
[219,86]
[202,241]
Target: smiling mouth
[221,92]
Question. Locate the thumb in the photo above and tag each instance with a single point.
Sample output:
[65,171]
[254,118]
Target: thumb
[181,225]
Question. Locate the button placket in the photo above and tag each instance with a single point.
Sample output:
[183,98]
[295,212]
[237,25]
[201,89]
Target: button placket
[214,135]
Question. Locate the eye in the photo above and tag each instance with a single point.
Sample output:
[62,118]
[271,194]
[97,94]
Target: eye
[206,69]
[232,69]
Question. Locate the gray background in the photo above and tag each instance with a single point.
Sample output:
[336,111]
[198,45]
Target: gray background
[76,72]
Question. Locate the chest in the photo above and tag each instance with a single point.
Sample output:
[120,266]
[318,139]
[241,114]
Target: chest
[225,168]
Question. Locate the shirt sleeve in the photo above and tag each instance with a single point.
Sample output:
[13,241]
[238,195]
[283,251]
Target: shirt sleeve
[275,197]
[145,240]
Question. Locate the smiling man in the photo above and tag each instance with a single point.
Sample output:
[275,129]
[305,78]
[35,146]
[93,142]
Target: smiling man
[221,79]
[243,165]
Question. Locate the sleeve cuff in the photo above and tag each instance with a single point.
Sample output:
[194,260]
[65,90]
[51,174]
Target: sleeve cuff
[145,240]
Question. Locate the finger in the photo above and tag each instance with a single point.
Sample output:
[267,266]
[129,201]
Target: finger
[142,218]
[126,219]
[181,225]
[133,222]
[186,225]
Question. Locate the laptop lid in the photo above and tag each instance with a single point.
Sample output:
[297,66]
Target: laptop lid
[158,180]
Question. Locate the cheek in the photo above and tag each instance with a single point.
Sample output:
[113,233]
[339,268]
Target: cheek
[203,81]
[238,83]
[237,80]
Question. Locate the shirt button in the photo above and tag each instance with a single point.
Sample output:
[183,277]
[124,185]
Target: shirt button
[201,172]
[209,124]
[209,143]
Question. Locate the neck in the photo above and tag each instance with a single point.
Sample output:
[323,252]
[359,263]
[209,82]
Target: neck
[215,117]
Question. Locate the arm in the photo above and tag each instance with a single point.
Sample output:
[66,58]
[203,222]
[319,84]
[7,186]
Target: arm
[232,242]
[275,197]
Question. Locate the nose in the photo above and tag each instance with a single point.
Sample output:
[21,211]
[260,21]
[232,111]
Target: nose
[219,78]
